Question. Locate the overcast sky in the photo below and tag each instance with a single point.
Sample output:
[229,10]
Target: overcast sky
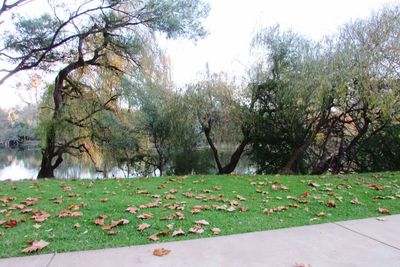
[232,23]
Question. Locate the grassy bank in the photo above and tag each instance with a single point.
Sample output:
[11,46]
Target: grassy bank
[87,214]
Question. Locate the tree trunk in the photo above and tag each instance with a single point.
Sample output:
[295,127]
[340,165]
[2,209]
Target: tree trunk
[230,167]
[298,153]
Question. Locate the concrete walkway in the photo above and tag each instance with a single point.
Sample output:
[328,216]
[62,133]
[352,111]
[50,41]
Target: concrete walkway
[367,242]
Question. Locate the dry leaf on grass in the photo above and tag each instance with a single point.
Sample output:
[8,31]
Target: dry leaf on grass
[10,223]
[132,209]
[143,226]
[355,201]
[159,252]
[112,232]
[178,232]
[216,231]
[196,229]
[331,204]
[202,222]
[383,211]
[145,216]
[36,245]
[241,198]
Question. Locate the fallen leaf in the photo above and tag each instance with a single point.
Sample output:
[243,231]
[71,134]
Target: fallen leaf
[10,223]
[159,252]
[77,225]
[145,216]
[231,209]
[381,219]
[111,232]
[195,211]
[305,194]
[202,222]
[320,214]
[143,226]
[217,188]
[178,232]
[154,237]
[103,200]
[216,231]
[132,210]
[384,211]
[40,216]
[170,226]
[196,229]
[376,186]
[355,201]
[119,222]
[36,245]
[37,226]
[240,198]
[331,204]
[312,184]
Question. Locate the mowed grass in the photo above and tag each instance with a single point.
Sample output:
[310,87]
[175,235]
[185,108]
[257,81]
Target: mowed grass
[271,202]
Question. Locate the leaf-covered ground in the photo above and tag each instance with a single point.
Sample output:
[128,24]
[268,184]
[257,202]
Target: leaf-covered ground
[67,215]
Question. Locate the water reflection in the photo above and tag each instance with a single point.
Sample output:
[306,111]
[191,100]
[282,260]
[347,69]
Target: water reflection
[16,164]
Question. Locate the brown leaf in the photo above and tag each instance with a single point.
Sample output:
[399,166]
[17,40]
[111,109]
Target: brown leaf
[202,222]
[77,225]
[40,216]
[30,201]
[240,198]
[119,222]
[74,207]
[159,252]
[217,188]
[170,197]
[10,223]
[195,211]
[178,232]
[26,211]
[376,186]
[196,229]
[312,184]
[216,231]
[143,226]
[355,201]
[132,210]
[103,200]
[111,232]
[305,194]
[383,211]
[145,216]
[320,214]
[331,204]
[173,191]
[154,237]
[67,213]
[36,245]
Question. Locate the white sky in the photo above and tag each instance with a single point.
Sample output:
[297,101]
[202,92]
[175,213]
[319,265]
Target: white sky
[232,23]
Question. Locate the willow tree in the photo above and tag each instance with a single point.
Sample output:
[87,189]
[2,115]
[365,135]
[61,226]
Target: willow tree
[224,114]
[89,37]
[294,99]
[365,66]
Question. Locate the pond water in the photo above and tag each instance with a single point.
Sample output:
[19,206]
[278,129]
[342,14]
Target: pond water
[18,164]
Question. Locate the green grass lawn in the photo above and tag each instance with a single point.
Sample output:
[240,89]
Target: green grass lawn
[234,204]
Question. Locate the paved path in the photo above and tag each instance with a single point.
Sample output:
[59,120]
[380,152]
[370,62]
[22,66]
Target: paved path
[366,242]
